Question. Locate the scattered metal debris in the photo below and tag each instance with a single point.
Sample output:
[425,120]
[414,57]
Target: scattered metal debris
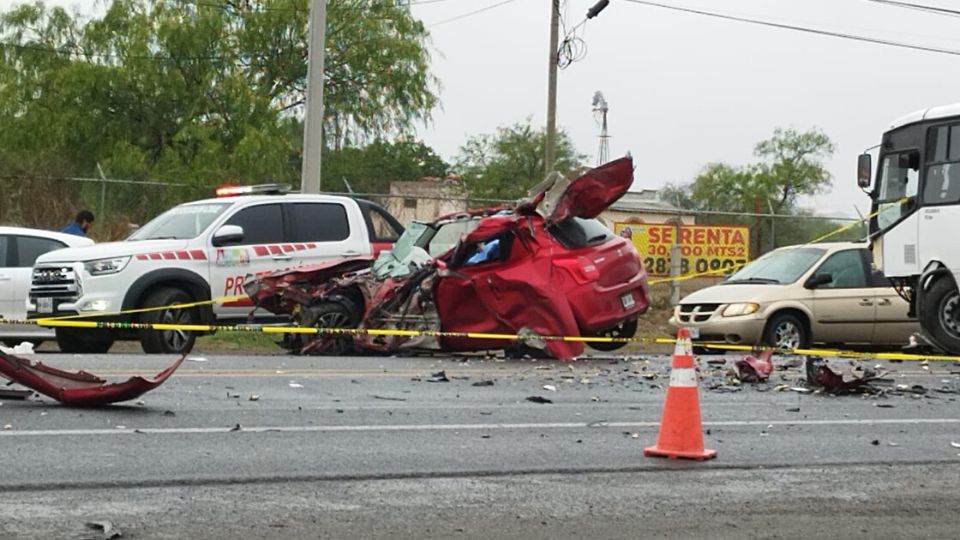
[550,388]
[440,376]
[483,383]
[387,398]
[6,393]
[105,528]
[852,378]
[754,367]
[539,399]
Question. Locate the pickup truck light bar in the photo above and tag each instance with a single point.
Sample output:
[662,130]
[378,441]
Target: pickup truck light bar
[261,189]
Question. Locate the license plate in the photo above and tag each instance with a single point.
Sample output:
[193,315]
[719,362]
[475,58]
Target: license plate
[627,300]
[45,305]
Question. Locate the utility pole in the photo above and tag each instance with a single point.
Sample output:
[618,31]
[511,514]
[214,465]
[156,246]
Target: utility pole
[552,85]
[313,119]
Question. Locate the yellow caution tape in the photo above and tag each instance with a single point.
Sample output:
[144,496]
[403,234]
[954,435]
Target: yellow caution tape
[186,305]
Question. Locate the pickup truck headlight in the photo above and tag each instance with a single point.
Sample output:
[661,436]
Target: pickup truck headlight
[103,267]
[735,310]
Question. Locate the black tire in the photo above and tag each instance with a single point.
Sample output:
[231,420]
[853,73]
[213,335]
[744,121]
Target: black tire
[70,342]
[334,314]
[786,331]
[626,329]
[168,341]
[940,315]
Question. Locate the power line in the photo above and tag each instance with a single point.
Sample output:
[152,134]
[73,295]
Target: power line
[919,7]
[471,13]
[804,29]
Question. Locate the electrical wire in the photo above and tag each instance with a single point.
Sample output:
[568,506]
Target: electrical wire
[572,48]
[919,7]
[782,26]
[469,14]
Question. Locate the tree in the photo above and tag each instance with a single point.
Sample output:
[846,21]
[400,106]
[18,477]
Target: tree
[371,168]
[791,165]
[506,164]
[197,93]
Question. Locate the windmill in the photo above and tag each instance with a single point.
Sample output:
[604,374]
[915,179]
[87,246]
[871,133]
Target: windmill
[600,114]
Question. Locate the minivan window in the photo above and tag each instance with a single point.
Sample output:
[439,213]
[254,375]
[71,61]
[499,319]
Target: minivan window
[780,266]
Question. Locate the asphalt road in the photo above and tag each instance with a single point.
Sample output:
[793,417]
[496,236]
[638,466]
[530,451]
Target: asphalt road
[276,446]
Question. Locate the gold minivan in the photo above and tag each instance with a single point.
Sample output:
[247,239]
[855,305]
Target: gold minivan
[795,296]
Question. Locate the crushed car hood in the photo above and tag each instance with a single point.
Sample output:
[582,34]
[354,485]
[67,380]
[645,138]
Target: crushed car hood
[585,196]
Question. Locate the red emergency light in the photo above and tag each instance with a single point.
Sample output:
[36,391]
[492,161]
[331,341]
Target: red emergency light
[261,189]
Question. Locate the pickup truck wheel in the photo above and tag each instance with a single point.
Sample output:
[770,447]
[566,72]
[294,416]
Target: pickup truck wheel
[941,314]
[333,315]
[626,329]
[168,341]
[70,342]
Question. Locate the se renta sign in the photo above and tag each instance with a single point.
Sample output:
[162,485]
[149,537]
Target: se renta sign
[703,248]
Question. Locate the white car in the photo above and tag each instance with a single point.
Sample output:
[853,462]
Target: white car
[19,249]
[200,251]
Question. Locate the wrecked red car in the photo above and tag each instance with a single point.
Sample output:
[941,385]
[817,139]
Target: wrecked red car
[545,267]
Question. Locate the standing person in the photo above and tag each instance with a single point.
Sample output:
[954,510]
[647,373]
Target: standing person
[80,224]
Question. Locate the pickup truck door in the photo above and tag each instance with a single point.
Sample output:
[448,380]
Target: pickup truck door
[844,310]
[260,251]
[326,230]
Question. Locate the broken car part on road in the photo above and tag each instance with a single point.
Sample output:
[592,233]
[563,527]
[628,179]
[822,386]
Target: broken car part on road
[78,388]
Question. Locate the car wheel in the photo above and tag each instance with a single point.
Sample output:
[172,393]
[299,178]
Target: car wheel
[626,329]
[70,342]
[786,331]
[168,341]
[941,314]
[333,315]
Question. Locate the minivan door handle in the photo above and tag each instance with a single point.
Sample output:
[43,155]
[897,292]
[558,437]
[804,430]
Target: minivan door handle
[884,302]
[866,302]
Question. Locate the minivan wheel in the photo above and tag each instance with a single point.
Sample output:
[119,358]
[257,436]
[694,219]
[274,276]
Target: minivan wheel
[626,329]
[786,331]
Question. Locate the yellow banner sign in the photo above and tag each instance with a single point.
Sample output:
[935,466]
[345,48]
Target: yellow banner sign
[703,248]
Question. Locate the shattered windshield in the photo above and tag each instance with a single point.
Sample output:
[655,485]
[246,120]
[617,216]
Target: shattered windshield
[780,266]
[396,261]
[180,223]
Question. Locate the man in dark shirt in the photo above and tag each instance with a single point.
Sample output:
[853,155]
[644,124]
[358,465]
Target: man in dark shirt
[80,224]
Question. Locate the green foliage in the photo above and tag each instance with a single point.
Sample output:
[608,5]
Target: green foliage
[506,164]
[197,93]
[371,168]
[791,165]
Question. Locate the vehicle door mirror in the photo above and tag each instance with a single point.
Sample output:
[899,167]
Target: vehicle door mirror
[818,280]
[864,170]
[228,234]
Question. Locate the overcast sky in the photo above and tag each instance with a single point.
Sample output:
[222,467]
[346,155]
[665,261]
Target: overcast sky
[685,90]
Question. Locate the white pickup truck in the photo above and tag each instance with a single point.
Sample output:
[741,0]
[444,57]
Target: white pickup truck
[199,251]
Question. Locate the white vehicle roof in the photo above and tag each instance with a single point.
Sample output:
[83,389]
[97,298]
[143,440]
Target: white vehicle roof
[71,240]
[932,113]
[289,197]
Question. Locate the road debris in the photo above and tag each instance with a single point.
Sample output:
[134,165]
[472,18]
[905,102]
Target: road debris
[294,384]
[550,388]
[954,444]
[387,398]
[852,378]
[439,377]
[105,528]
[483,383]
[254,397]
[7,427]
[6,393]
[539,399]
[78,387]
[754,367]
[236,428]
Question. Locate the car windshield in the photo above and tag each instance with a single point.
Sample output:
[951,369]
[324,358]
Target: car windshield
[395,262]
[780,266]
[449,234]
[180,223]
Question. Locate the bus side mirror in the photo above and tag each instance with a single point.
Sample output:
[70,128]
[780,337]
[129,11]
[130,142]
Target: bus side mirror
[864,168]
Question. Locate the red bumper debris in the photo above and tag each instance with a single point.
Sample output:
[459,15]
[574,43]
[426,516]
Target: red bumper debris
[78,387]
[754,367]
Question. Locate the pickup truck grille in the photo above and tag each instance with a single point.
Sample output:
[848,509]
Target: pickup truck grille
[54,282]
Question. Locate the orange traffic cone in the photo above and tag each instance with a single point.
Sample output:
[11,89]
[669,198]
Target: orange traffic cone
[681,434]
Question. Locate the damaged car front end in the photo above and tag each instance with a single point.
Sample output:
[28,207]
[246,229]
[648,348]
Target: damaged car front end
[542,269]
